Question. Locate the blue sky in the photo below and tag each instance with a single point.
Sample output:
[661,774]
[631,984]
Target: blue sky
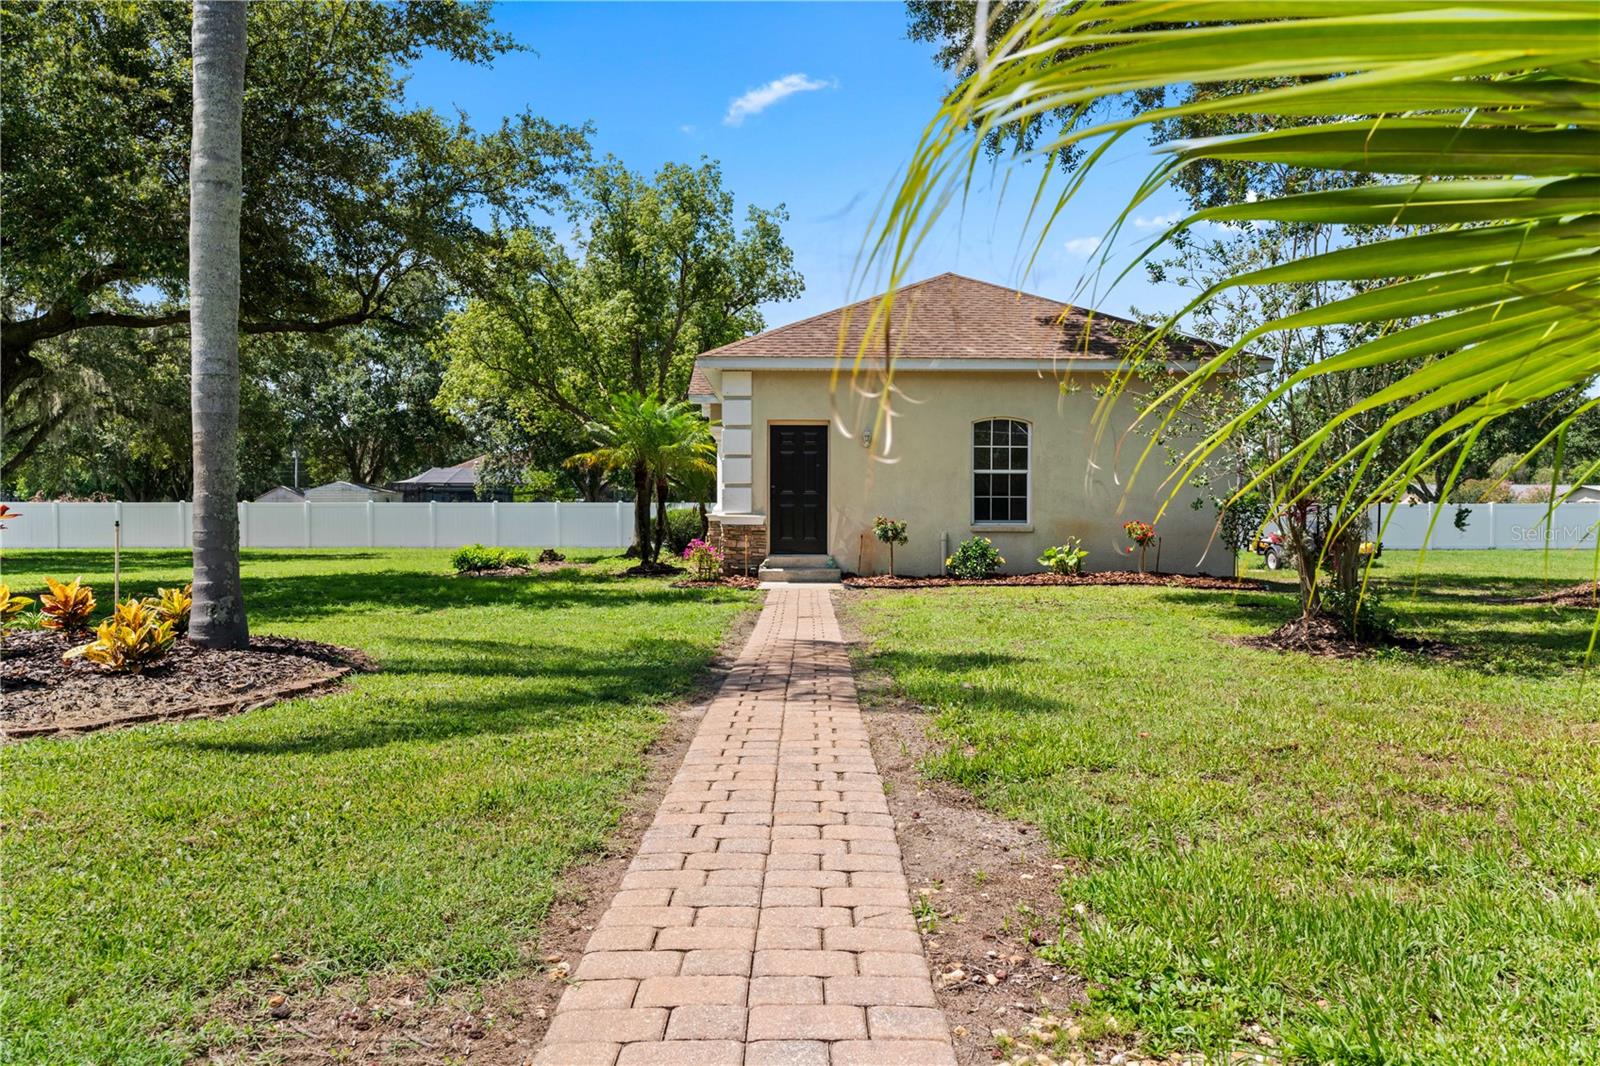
[834,98]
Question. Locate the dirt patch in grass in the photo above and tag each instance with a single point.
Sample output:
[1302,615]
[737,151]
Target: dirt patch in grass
[1323,636]
[400,1019]
[1584,594]
[726,581]
[46,696]
[985,890]
[1109,577]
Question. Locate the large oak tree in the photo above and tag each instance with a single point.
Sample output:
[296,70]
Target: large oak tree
[347,191]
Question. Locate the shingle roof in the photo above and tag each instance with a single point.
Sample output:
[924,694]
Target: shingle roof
[461,474]
[956,317]
[699,384]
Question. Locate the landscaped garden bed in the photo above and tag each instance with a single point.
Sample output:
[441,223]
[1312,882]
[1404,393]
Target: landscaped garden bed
[47,695]
[1107,577]
[477,560]
[1321,634]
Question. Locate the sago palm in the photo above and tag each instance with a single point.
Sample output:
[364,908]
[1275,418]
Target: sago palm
[1475,130]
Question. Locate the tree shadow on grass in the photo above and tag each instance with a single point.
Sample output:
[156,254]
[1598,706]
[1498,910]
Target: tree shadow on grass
[321,595]
[1526,640]
[640,670]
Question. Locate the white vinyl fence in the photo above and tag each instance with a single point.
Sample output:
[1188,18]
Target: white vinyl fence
[1488,525]
[329,525]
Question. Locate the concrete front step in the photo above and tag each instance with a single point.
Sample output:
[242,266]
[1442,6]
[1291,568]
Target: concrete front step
[798,569]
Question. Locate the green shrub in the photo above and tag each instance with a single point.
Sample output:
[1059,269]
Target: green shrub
[976,557]
[683,525]
[471,558]
[1362,615]
[1065,558]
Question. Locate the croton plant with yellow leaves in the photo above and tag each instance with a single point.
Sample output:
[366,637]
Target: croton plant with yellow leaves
[136,636]
[66,607]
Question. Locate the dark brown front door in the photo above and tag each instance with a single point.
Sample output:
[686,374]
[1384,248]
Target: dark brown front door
[799,490]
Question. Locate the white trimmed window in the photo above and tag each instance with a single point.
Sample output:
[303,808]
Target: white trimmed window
[1000,471]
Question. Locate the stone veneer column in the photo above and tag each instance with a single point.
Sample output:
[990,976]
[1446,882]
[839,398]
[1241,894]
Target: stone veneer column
[743,546]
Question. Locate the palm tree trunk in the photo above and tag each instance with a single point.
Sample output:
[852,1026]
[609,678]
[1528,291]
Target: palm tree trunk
[218,618]
[641,510]
[661,517]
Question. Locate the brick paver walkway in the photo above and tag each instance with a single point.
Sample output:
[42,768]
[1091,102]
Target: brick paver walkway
[765,920]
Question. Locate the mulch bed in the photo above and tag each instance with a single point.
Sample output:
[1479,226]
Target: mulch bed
[520,571]
[1108,577]
[1583,594]
[46,696]
[726,581]
[653,570]
[1322,635]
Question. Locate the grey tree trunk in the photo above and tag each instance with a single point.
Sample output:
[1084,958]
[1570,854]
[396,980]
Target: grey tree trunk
[217,619]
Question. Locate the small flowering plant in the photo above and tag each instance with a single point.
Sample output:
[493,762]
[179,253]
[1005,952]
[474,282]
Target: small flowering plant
[1141,533]
[705,557]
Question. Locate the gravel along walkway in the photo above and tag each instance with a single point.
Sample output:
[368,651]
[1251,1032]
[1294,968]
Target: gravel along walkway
[766,919]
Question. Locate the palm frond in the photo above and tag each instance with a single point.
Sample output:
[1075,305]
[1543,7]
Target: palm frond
[1479,125]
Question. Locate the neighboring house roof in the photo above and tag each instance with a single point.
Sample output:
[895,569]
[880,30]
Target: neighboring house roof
[280,492]
[1583,492]
[951,318]
[462,475]
[346,488]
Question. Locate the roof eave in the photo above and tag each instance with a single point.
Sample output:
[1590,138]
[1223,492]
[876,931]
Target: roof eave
[1034,366]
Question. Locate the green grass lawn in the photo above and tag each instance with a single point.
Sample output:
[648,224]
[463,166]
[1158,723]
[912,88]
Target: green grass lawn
[1390,860]
[419,820]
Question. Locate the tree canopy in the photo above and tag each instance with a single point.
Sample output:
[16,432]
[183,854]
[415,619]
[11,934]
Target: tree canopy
[655,272]
[347,192]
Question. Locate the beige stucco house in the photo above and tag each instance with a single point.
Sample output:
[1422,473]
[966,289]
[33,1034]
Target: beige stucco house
[991,433]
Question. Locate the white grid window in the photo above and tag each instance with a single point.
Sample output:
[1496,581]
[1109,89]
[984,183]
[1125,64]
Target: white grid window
[1000,471]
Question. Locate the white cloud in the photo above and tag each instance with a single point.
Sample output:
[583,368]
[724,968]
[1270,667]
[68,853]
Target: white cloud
[688,129]
[1165,221]
[762,97]
[1083,246]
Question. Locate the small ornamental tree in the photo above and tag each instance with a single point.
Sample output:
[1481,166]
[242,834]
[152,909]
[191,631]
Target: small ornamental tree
[1141,533]
[890,531]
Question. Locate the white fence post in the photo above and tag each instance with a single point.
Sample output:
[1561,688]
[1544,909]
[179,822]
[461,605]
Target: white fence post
[624,527]
[244,526]
[372,539]
[55,523]
[494,523]
[433,523]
